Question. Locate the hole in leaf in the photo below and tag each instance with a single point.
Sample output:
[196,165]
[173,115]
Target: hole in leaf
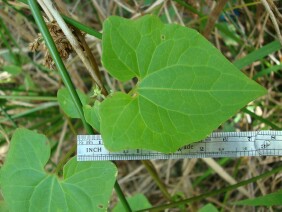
[163,37]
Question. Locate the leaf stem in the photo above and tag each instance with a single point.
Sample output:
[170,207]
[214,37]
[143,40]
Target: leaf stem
[82,27]
[151,169]
[121,197]
[91,58]
[65,159]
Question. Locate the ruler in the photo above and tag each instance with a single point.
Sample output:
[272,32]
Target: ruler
[218,144]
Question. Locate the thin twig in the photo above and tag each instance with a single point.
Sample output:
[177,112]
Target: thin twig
[150,9]
[62,136]
[177,14]
[124,6]
[273,19]
[167,13]
[101,12]
[91,58]
[275,9]
[65,159]
[213,17]
[47,12]
[224,175]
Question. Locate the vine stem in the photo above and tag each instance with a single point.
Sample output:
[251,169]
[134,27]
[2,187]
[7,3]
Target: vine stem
[69,85]
[65,159]
[152,171]
[82,27]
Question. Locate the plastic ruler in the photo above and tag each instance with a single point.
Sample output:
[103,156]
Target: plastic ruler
[218,144]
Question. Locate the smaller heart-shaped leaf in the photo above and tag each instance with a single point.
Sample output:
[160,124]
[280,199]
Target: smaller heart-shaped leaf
[26,186]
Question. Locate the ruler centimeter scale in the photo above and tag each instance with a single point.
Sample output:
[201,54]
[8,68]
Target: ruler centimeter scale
[218,144]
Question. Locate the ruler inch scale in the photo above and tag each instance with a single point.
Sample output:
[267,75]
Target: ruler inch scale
[218,144]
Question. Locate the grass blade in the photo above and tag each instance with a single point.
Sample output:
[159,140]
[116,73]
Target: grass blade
[258,54]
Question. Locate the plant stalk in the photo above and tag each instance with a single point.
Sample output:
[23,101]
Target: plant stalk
[152,171]
[121,197]
[82,27]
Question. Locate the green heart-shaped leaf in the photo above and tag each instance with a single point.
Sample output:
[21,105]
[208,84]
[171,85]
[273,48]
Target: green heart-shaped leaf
[26,186]
[185,89]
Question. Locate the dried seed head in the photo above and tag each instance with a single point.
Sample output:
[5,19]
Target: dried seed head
[34,46]
[62,44]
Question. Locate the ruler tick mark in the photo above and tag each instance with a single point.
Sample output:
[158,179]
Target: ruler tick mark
[218,144]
